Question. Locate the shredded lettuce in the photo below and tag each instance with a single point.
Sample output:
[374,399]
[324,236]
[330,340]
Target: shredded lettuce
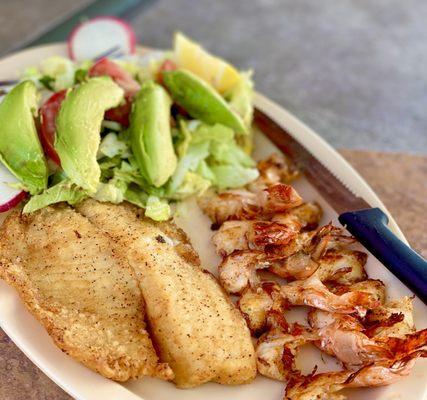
[150,63]
[233,176]
[62,191]
[241,97]
[230,153]
[204,171]
[112,146]
[192,184]
[135,196]
[56,73]
[206,153]
[216,133]
[157,209]
[60,69]
[111,125]
[112,192]
[196,153]
[183,138]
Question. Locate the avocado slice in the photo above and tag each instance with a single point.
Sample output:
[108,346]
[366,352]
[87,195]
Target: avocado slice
[150,133]
[200,100]
[20,148]
[78,127]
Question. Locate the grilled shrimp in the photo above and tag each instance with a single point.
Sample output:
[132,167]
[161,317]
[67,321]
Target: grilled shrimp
[252,235]
[238,270]
[256,234]
[342,336]
[242,242]
[244,204]
[307,215]
[257,302]
[393,319]
[326,386]
[346,337]
[276,350]
[275,169]
[342,266]
[355,298]
[304,252]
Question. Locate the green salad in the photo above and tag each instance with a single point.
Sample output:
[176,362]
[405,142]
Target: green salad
[150,133]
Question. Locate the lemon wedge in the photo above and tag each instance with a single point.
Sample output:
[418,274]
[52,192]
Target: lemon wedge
[191,56]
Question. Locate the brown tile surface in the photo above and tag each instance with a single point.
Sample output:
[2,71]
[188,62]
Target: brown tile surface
[399,179]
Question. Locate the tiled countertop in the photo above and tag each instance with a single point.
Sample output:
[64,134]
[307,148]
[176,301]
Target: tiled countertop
[400,180]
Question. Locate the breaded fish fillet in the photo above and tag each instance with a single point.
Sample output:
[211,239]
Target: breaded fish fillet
[198,331]
[87,297]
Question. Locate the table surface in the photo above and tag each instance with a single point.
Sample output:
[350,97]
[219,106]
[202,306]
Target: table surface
[354,70]
[399,179]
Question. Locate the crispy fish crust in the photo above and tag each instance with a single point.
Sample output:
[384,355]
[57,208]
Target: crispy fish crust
[87,297]
[195,326]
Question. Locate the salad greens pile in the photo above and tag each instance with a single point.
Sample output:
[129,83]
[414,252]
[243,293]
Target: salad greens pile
[147,132]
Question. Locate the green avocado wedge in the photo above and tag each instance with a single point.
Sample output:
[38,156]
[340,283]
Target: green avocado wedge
[150,134]
[20,148]
[201,101]
[78,127]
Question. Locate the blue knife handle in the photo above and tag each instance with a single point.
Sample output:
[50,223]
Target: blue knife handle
[370,228]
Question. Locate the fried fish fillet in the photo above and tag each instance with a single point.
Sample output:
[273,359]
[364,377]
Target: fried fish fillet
[196,328]
[84,294]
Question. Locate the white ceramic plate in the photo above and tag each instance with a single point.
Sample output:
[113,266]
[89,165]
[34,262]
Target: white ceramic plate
[84,384]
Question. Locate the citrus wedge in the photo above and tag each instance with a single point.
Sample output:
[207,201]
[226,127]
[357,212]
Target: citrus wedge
[191,56]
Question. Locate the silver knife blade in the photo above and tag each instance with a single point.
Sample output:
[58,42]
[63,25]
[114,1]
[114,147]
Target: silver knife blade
[336,193]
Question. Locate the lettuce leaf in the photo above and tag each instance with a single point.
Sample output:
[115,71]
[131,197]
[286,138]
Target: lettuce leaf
[233,176]
[216,133]
[135,196]
[157,209]
[241,96]
[196,153]
[112,146]
[230,153]
[183,138]
[209,155]
[62,191]
[192,184]
[112,192]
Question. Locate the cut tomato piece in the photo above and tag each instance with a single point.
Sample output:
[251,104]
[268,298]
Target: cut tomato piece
[48,112]
[167,65]
[120,113]
[106,67]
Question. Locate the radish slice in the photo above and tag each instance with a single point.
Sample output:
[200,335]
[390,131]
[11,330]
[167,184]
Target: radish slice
[99,36]
[9,197]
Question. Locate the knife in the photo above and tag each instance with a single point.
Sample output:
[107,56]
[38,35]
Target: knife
[367,224]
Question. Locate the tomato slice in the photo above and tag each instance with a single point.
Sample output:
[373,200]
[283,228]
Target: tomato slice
[48,112]
[107,67]
[120,113]
[123,78]
[167,65]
